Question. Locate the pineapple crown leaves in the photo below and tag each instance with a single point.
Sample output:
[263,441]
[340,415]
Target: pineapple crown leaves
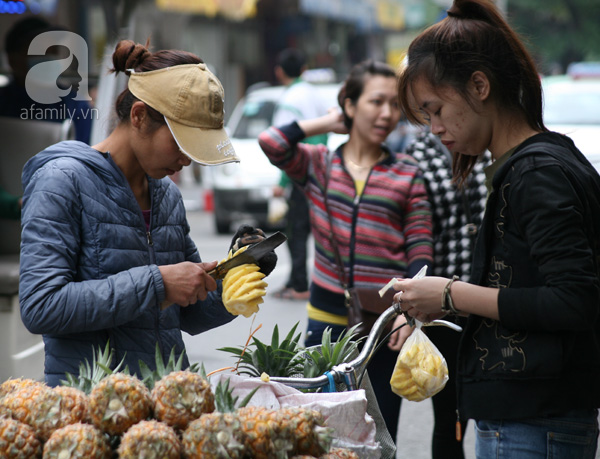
[150,377]
[225,401]
[318,362]
[277,359]
[90,375]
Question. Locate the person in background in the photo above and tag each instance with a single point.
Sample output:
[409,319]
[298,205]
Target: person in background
[15,102]
[106,254]
[10,205]
[529,359]
[300,101]
[456,213]
[380,215]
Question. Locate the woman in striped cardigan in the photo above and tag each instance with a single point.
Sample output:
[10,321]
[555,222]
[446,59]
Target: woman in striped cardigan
[380,215]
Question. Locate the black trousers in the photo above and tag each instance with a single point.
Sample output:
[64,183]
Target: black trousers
[297,232]
[380,370]
[443,443]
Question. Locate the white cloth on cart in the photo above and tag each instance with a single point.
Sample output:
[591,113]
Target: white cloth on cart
[345,412]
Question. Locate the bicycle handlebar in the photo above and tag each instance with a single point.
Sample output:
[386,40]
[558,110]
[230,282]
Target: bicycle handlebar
[346,372]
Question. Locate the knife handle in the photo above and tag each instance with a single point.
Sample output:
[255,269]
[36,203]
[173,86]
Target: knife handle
[216,273]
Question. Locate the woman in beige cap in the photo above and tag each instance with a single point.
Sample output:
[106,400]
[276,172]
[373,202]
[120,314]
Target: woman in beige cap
[106,253]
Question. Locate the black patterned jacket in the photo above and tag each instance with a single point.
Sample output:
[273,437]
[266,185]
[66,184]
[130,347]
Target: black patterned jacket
[456,214]
[539,244]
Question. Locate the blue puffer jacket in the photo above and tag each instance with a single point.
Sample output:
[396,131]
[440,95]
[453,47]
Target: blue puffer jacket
[89,269]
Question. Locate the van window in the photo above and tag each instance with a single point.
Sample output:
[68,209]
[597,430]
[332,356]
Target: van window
[256,118]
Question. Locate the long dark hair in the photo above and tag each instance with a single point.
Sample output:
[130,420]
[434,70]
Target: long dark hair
[474,37]
[130,55]
[355,83]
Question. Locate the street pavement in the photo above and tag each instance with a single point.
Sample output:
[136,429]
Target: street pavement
[416,420]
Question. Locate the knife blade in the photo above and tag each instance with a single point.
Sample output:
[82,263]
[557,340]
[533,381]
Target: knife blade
[251,255]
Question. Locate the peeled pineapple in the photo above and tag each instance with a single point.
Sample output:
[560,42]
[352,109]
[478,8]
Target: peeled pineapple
[243,288]
[420,371]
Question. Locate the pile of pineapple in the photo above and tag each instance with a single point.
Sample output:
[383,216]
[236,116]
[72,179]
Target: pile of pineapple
[168,413]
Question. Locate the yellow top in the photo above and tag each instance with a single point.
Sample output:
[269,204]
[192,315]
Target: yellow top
[323,316]
[360,186]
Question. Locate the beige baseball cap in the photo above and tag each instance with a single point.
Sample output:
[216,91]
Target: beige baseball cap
[190,97]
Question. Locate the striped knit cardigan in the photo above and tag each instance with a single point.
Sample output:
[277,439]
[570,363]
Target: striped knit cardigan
[385,232]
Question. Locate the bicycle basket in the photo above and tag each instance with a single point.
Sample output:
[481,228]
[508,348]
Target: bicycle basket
[382,435]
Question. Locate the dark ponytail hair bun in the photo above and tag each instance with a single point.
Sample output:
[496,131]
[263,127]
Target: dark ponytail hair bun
[468,10]
[129,55]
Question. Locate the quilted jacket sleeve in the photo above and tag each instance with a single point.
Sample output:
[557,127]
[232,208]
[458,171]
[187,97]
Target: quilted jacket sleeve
[208,314]
[53,300]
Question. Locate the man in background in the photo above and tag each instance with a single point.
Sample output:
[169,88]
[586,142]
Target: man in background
[300,101]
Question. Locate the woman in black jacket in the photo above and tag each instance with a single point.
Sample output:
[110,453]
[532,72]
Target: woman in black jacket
[529,358]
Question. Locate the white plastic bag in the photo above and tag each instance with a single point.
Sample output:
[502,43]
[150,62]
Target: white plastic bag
[421,370]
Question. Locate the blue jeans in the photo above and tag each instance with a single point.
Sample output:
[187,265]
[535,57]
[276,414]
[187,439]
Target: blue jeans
[573,435]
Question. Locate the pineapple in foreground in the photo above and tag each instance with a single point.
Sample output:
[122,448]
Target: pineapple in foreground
[119,401]
[266,436]
[150,440]
[340,453]
[334,453]
[182,396]
[74,405]
[217,435]
[18,440]
[179,396]
[77,441]
[35,405]
[284,432]
[214,436]
[14,384]
[311,437]
[243,287]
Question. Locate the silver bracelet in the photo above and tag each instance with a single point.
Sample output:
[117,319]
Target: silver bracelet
[447,303]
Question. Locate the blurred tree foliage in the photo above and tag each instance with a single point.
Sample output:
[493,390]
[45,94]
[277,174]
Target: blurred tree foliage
[558,32]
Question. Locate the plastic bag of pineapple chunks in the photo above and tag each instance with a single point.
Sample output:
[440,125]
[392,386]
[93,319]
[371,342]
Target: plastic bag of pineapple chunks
[421,370]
